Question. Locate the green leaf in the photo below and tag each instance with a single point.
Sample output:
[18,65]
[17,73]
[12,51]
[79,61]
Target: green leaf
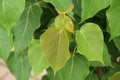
[36,58]
[27,24]
[110,73]
[77,7]
[10,11]
[106,59]
[91,76]
[64,21]
[61,5]
[117,42]
[90,42]
[19,66]
[77,68]
[55,46]
[91,7]
[5,45]
[113,17]
[116,76]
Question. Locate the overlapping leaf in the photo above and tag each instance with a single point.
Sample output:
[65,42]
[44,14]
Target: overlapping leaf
[10,11]
[64,21]
[91,7]
[91,76]
[77,68]
[106,59]
[19,66]
[27,24]
[36,58]
[90,42]
[5,45]
[61,5]
[113,15]
[55,46]
[77,7]
[116,76]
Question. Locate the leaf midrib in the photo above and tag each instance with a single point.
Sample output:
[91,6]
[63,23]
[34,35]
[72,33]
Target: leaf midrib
[87,41]
[27,19]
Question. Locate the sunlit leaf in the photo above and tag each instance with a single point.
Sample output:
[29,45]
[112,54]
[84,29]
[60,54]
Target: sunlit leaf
[55,46]
[5,45]
[116,76]
[90,42]
[106,59]
[10,11]
[36,58]
[64,21]
[91,7]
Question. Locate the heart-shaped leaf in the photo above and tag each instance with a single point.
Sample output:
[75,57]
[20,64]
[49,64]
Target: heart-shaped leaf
[90,42]
[36,58]
[55,46]
[113,15]
[10,11]
[24,28]
[91,7]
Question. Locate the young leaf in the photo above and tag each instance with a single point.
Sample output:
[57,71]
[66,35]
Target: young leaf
[36,58]
[91,7]
[19,66]
[113,17]
[90,42]
[117,42]
[116,76]
[5,45]
[64,21]
[10,11]
[27,24]
[55,46]
[77,68]
[61,5]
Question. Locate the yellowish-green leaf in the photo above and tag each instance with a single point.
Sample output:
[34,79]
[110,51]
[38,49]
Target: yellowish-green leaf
[116,76]
[10,11]
[5,45]
[55,46]
[90,42]
[70,7]
[64,21]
